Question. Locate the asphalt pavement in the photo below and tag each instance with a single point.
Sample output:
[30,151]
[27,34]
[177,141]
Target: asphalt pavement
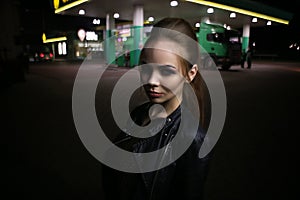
[255,157]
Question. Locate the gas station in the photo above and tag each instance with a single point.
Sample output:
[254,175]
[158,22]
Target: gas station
[140,14]
[255,156]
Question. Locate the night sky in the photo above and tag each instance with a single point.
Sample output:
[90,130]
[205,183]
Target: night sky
[277,39]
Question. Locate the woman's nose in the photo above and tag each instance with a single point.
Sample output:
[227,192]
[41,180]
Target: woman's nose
[154,78]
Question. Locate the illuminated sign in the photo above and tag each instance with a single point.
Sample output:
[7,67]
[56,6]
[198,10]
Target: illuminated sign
[125,32]
[91,36]
[56,4]
[62,5]
[81,34]
[45,40]
[239,10]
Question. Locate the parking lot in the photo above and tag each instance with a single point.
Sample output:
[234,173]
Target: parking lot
[254,158]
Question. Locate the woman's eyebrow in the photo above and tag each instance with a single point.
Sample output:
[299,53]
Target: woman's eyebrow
[170,66]
[143,62]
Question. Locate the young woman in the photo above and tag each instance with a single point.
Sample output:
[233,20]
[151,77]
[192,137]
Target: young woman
[169,64]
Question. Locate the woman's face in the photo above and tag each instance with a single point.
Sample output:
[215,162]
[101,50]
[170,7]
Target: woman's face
[161,76]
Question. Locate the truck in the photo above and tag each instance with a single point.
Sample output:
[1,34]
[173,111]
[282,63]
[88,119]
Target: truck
[222,45]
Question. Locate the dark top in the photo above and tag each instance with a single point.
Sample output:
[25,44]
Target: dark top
[182,179]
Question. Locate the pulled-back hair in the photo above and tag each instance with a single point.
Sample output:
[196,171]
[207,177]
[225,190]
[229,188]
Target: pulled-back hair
[180,32]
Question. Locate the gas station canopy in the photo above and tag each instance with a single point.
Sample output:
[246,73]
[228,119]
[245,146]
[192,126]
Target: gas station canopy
[192,10]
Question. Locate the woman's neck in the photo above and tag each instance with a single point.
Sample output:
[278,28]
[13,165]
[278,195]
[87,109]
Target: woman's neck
[163,110]
[170,107]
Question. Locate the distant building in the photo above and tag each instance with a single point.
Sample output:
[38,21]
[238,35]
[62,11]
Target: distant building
[10,34]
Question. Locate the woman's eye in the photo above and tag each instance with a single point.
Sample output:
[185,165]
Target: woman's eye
[166,71]
[146,70]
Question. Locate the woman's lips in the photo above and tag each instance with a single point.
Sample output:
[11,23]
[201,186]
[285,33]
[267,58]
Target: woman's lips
[154,94]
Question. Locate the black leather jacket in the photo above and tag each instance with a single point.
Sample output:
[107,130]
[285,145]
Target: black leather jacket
[182,179]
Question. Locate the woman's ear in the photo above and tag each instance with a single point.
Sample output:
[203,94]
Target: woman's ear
[192,73]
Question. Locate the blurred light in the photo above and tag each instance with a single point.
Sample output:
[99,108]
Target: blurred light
[70,5]
[64,48]
[116,15]
[210,10]
[232,15]
[295,46]
[81,34]
[254,19]
[253,44]
[228,27]
[269,23]
[207,21]
[81,12]
[197,25]
[45,40]
[44,37]
[59,46]
[238,10]
[174,3]
[151,19]
[91,36]
[225,25]
[96,21]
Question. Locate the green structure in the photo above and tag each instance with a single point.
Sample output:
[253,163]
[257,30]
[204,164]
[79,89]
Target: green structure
[110,52]
[221,45]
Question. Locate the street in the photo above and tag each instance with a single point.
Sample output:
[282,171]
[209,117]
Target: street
[254,158]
